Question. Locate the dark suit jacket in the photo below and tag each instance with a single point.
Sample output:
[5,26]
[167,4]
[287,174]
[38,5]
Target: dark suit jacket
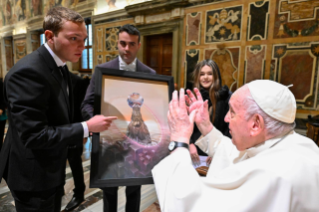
[88,102]
[79,86]
[40,116]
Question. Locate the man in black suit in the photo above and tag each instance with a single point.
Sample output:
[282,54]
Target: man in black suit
[128,45]
[39,99]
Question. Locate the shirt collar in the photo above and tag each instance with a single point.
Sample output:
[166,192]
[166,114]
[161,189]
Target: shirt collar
[57,60]
[127,67]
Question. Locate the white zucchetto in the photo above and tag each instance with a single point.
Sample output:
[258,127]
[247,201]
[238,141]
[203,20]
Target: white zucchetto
[274,99]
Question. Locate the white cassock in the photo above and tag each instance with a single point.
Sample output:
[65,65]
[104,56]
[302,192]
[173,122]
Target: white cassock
[278,175]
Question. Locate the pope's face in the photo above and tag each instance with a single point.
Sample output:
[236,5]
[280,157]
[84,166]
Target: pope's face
[128,46]
[69,42]
[239,127]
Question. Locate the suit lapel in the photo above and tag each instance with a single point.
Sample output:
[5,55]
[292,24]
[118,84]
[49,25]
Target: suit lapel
[71,98]
[55,71]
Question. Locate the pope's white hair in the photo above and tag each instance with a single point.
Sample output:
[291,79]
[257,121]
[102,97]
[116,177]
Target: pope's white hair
[274,127]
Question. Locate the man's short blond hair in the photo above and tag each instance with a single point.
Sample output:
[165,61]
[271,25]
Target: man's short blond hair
[57,16]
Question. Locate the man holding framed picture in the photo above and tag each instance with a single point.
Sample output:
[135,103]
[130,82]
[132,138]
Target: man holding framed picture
[128,46]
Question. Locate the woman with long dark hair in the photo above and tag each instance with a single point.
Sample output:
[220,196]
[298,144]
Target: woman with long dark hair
[208,80]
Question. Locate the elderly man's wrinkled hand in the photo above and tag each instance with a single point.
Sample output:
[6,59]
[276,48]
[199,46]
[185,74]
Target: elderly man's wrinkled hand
[202,118]
[180,123]
[193,102]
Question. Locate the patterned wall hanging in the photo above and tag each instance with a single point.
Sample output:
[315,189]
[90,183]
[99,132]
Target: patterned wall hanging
[193,28]
[254,63]
[223,24]
[296,19]
[258,20]
[297,64]
[111,37]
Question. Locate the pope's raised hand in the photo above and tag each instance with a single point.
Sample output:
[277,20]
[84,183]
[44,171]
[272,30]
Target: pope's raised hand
[202,118]
[180,123]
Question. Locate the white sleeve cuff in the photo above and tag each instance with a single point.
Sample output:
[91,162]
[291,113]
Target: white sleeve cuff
[209,142]
[85,129]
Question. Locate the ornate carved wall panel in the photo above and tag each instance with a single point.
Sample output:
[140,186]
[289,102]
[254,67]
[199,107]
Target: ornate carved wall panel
[35,41]
[99,39]
[297,64]
[192,57]
[193,25]
[223,24]
[258,20]
[20,49]
[296,19]
[227,60]
[9,52]
[99,59]
[254,62]
[36,8]
[111,37]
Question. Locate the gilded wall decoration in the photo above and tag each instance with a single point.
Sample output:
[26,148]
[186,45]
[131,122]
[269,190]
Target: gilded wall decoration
[99,59]
[258,20]
[35,41]
[111,37]
[192,57]
[254,63]
[296,19]
[158,18]
[36,8]
[298,65]
[223,24]
[20,50]
[13,11]
[9,52]
[20,10]
[227,60]
[99,39]
[7,13]
[193,26]
[299,10]
[110,57]
[111,5]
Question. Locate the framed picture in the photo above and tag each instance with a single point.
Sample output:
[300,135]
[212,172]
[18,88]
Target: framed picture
[126,153]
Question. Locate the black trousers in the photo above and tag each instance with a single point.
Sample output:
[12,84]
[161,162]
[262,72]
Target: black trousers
[40,201]
[75,161]
[133,199]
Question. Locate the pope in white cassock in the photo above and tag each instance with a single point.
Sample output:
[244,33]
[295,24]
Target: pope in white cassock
[265,167]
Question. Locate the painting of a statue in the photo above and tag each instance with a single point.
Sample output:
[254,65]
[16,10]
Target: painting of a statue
[138,139]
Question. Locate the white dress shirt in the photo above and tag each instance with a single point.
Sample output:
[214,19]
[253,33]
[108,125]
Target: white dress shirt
[59,63]
[127,67]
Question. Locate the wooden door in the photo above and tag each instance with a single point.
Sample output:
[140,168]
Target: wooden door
[158,50]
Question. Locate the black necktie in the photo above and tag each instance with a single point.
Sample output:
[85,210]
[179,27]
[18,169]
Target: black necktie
[64,71]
